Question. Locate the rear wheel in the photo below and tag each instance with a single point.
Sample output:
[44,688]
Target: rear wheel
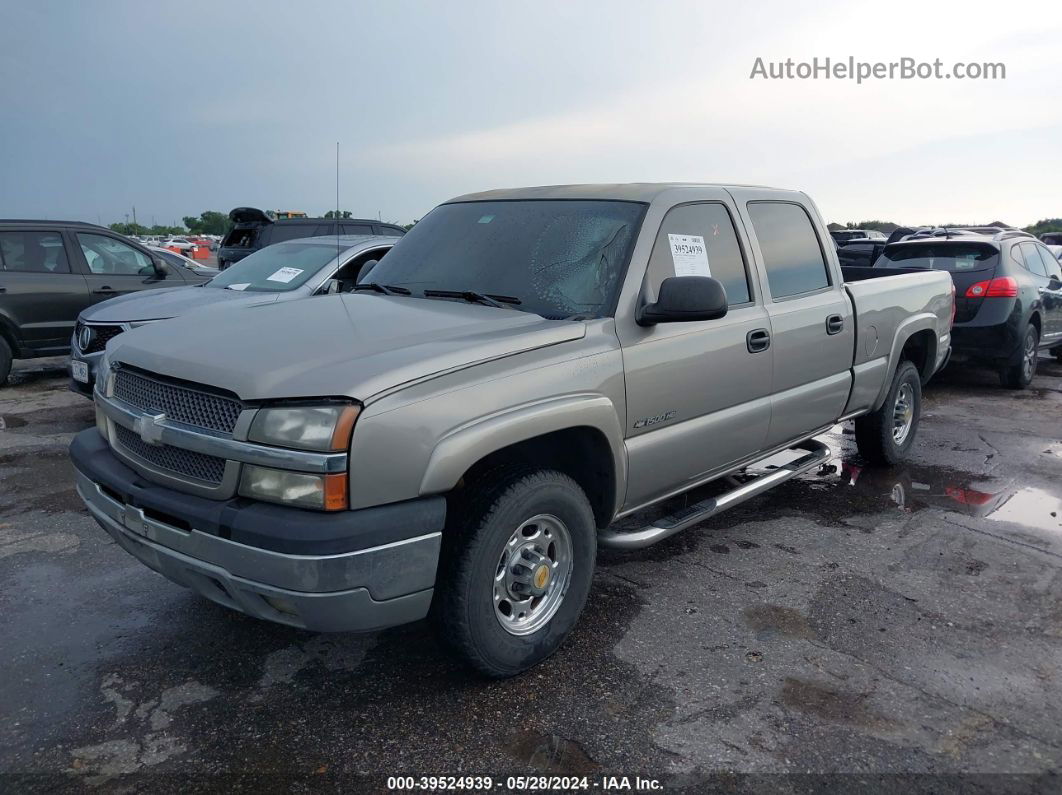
[885,436]
[516,570]
[5,361]
[1020,375]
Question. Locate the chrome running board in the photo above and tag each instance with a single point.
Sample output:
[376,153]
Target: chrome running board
[666,526]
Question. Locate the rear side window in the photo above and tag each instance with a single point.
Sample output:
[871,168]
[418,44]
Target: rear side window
[792,255]
[324,230]
[33,252]
[1032,261]
[356,229]
[699,240]
[282,232]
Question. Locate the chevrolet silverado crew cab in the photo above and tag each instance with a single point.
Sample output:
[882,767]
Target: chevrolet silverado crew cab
[524,371]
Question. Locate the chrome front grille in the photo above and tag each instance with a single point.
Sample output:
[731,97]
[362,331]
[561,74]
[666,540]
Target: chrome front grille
[185,463]
[100,336]
[187,404]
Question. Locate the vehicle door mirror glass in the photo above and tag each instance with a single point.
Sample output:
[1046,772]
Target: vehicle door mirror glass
[331,287]
[368,266]
[685,298]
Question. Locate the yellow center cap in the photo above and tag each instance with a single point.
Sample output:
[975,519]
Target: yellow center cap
[541,576]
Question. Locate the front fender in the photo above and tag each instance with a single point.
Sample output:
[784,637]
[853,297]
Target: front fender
[460,449]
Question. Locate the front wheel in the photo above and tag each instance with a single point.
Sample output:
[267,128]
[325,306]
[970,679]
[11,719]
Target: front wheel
[1020,375]
[5,361]
[516,570]
[885,436]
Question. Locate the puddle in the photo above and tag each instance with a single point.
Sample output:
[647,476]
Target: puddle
[551,754]
[1031,507]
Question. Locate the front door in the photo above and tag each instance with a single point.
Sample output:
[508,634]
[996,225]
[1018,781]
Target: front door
[113,267]
[698,393]
[1049,289]
[39,294]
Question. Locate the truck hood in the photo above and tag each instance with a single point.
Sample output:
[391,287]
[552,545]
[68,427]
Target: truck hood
[353,345]
[166,303]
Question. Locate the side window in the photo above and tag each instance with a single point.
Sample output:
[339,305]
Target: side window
[35,252]
[1048,259]
[282,232]
[791,252]
[106,255]
[324,230]
[1033,263]
[708,227]
[356,229]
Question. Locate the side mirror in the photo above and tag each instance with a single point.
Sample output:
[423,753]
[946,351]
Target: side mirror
[1055,283]
[332,287]
[684,298]
[368,266]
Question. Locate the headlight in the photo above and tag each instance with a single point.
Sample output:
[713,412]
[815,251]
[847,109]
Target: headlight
[323,492]
[105,376]
[305,427]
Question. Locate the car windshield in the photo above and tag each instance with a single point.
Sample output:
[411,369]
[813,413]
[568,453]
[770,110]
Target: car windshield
[276,269]
[952,257]
[557,258]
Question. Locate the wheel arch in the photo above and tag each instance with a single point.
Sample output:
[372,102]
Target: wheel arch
[579,436]
[915,340]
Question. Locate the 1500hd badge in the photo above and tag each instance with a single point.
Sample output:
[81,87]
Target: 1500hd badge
[649,421]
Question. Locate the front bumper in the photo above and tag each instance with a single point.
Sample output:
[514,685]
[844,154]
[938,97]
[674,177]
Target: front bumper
[92,361]
[383,576]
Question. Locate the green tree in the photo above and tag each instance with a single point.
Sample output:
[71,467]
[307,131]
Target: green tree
[338,214]
[1046,225]
[209,222]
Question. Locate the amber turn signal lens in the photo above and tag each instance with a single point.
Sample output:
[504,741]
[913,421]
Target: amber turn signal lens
[345,427]
[335,492]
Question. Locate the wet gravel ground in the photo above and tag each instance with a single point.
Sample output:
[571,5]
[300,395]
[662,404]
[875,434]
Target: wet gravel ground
[854,628]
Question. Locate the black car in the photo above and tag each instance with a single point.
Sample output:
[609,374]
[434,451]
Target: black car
[255,229]
[51,270]
[1008,296]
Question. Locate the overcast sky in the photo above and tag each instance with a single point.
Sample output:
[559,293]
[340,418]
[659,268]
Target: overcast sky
[186,106]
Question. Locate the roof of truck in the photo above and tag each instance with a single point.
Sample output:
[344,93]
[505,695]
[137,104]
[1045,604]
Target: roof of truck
[630,191]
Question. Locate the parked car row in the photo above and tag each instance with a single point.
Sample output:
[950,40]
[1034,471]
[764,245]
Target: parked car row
[254,229]
[51,270]
[456,428]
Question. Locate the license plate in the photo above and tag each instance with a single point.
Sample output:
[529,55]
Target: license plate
[80,371]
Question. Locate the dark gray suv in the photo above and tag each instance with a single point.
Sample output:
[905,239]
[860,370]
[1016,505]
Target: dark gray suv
[51,270]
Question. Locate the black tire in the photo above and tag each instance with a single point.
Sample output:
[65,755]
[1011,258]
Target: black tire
[6,358]
[874,432]
[1020,375]
[483,520]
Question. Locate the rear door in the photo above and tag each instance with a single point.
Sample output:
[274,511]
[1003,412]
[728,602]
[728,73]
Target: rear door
[811,317]
[1049,287]
[698,394]
[40,294]
[114,267]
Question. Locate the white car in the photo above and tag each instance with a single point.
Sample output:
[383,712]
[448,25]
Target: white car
[183,245]
[174,258]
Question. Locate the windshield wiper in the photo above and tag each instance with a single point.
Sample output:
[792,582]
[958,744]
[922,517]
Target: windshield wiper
[473,297]
[381,288]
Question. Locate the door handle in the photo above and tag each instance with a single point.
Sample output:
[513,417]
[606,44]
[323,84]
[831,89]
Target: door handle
[834,324]
[106,289]
[3,289]
[758,340]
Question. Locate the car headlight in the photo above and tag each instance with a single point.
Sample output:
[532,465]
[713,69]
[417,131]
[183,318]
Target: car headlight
[300,489]
[105,376]
[324,428]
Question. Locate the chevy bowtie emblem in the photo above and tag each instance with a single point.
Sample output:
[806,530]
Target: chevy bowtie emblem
[150,428]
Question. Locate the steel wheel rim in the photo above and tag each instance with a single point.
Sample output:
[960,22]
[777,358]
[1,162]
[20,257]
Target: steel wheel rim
[902,413]
[1028,363]
[533,574]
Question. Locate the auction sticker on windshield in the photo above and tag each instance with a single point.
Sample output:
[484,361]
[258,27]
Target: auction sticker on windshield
[285,275]
[690,255]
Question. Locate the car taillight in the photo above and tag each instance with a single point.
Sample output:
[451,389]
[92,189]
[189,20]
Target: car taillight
[1004,287]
